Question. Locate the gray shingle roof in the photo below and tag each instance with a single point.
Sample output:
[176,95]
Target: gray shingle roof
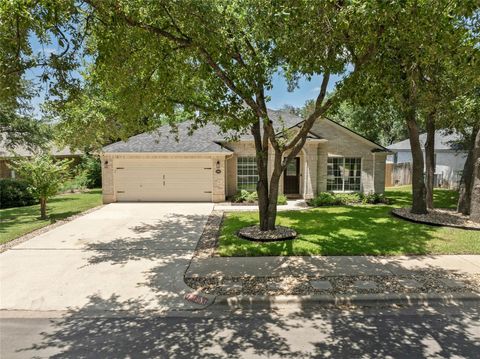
[205,139]
[163,140]
[443,141]
[25,152]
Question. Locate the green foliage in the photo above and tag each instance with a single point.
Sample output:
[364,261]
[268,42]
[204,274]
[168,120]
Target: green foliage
[282,199]
[43,175]
[15,193]
[353,230]
[244,196]
[22,220]
[324,199]
[91,168]
[375,198]
[78,183]
[335,199]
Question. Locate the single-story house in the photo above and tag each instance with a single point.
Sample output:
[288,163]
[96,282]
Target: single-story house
[205,166]
[449,157]
[7,155]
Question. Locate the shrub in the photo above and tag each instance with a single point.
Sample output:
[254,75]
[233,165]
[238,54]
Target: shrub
[282,199]
[244,196]
[92,170]
[348,198]
[324,199]
[77,183]
[15,193]
[375,198]
[334,199]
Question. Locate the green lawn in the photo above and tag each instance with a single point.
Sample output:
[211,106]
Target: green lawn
[18,221]
[354,230]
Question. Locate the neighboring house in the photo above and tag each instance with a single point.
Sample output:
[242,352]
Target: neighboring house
[449,159]
[207,167]
[7,154]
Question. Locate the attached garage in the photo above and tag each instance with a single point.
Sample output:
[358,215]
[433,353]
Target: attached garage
[170,179]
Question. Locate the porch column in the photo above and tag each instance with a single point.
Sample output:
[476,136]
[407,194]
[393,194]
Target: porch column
[310,170]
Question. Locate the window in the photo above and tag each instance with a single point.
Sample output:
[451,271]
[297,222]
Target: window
[344,173]
[247,175]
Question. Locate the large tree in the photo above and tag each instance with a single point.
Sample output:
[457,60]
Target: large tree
[215,60]
[406,70]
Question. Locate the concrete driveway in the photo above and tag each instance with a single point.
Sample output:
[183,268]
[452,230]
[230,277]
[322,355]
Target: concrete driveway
[123,256]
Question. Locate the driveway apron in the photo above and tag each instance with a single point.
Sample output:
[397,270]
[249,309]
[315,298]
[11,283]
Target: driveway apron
[122,257]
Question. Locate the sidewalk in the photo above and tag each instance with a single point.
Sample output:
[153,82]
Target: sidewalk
[333,277]
[292,205]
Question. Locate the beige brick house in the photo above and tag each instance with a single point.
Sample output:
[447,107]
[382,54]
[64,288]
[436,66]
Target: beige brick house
[203,166]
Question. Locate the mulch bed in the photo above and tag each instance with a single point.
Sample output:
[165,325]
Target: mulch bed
[253,233]
[438,217]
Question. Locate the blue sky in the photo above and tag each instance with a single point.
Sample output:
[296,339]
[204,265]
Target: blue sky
[306,90]
[280,96]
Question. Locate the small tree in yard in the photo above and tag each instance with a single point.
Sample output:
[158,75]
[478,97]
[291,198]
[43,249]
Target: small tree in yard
[44,177]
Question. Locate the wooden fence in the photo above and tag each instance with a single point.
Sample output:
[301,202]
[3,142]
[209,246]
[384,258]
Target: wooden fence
[398,174]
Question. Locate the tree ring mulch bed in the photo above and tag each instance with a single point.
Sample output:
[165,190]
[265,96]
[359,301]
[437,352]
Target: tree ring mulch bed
[253,233]
[438,217]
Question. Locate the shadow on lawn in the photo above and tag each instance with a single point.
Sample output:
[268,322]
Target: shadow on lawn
[442,198]
[345,230]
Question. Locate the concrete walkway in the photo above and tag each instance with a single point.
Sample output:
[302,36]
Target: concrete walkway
[331,265]
[121,256]
[292,205]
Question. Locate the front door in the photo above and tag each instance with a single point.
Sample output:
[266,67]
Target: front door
[291,177]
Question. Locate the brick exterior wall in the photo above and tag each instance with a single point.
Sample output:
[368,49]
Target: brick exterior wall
[336,141]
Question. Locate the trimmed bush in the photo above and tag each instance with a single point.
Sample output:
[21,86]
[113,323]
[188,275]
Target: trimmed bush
[15,193]
[375,198]
[335,199]
[245,196]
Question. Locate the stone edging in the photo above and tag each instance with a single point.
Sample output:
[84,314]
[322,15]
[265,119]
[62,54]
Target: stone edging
[36,232]
[433,224]
[243,301]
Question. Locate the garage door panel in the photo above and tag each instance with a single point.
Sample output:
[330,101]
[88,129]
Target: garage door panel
[163,180]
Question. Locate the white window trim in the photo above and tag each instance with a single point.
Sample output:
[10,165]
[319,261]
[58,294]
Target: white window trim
[343,181]
[250,157]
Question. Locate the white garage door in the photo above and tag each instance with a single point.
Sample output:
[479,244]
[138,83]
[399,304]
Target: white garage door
[163,180]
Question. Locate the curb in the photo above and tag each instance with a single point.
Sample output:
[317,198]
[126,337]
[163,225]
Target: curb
[414,299]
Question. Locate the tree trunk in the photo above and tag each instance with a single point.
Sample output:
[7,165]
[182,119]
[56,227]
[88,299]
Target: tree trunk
[465,191]
[262,189]
[43,208]
[430,159]
[419,205]
[475,200]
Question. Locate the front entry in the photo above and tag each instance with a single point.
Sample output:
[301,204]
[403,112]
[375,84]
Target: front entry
[291,177]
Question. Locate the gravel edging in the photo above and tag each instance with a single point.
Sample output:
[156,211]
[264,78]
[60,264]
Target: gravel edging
[207,243]
[36,232]
[434,218]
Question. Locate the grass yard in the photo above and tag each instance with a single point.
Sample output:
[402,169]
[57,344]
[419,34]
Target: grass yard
[18,221]
[354,230]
